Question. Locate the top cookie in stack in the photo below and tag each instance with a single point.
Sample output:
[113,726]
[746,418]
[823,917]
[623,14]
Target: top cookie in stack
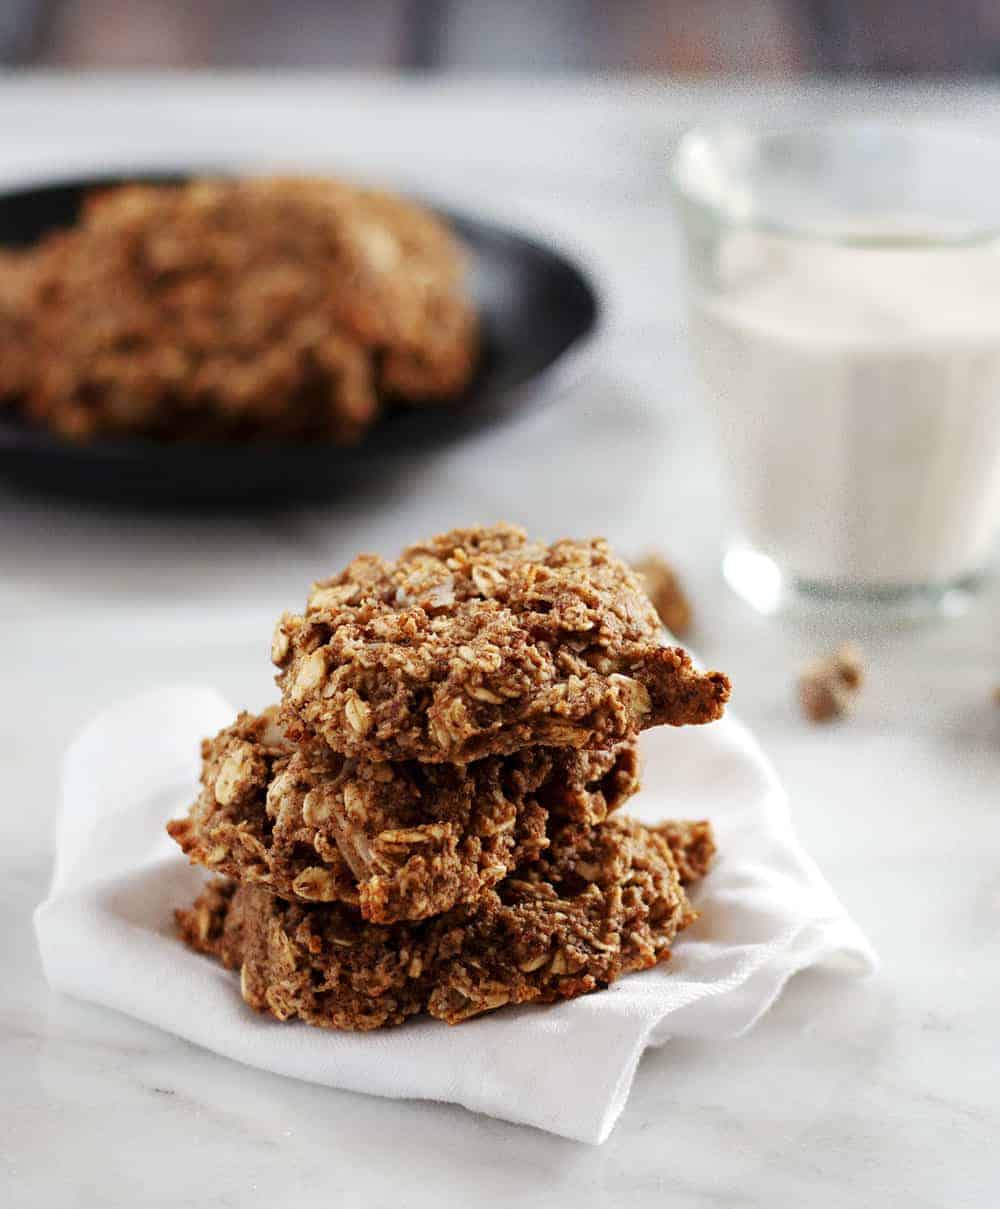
[455,726]
[481,642]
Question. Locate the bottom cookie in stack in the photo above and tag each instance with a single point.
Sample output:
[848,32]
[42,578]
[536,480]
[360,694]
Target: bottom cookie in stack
[599,902]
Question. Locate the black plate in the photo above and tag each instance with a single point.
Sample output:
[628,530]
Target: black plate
[538,312]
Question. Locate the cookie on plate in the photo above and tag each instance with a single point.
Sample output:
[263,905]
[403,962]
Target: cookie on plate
[238,310]
[481,642]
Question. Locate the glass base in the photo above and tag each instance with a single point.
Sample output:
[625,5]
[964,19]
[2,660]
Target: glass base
[758,579]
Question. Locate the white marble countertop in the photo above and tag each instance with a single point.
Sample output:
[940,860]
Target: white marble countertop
[873,1094]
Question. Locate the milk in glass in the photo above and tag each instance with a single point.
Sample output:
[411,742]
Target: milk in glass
[856,388]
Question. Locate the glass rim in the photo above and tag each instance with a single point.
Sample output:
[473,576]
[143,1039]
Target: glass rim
[729,208]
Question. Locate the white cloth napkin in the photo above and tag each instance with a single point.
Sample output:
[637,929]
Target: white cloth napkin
[106,931]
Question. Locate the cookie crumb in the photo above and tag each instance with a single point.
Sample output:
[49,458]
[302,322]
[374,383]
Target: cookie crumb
[664,589]
[828,686]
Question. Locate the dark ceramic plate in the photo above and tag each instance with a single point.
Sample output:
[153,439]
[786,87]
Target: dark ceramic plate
[539,313]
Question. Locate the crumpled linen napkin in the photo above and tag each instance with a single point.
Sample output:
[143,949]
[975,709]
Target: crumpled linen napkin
[106,931]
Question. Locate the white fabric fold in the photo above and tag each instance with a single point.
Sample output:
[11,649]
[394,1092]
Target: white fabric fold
[106,932]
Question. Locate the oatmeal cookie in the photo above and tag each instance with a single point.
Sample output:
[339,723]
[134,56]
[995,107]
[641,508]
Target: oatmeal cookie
[402,841]
[481,642]
[240,309]
[600,903]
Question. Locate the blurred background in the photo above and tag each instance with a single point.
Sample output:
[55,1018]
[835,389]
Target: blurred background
[762,37]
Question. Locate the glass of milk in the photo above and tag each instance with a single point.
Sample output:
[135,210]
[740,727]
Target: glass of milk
[845,332]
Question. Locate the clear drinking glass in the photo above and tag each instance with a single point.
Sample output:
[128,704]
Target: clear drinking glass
[845,331]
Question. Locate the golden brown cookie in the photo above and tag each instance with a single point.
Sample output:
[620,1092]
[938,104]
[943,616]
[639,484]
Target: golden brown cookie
[599,903]
[237,310]
[402,841]
[480,642]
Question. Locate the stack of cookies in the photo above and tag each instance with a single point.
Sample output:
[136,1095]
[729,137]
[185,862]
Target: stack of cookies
[429,821]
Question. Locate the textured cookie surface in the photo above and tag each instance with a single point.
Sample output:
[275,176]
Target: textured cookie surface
[599,903]
[481,642]
[234,310]
[401,840]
